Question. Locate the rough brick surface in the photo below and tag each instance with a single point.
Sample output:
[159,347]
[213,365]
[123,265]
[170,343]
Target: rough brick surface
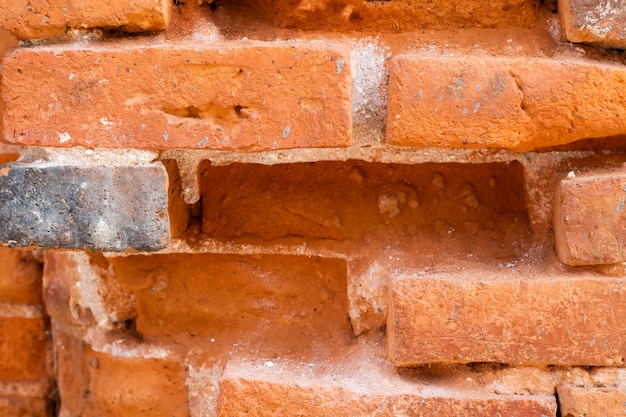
[244,96]
[252,392]
[228,297]
[518,104]
[33,19]
[97,208]
[590,218]
[592,401]
[15,406]
[23,348]
[394,16]
[107,384]
[80,290]
[6,41]
[548,320]
[596,22]
[20,278]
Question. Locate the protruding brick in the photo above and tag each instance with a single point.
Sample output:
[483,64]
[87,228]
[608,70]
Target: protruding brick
[590,219]
[458,317]
[100,208]
[246,96]
[600,22]
[252,391]
[23,349]
[513,103]
[33,19]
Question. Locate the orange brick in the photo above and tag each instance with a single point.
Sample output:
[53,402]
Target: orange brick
[33,19]
[20,277]
[255,300]
[23,348]
[6,41]
[105,384]
[598,22]
[590,220]
[254,392]
[15,406]
[513,103]
[527,320]
[593,401]
[246,96]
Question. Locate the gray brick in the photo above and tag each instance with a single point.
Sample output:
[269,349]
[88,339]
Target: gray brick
[98,208]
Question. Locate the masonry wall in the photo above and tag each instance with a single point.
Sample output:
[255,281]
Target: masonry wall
[313,208]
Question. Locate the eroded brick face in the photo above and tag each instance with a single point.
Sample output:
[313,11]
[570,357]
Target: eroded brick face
[312,208]
[251,96]
[43,19]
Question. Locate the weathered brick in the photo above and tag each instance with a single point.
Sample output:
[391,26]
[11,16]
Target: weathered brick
[6,41]
[592,401]
[594,21]
[590,220]
[142,384]
[33,19]
[23,348]
[598,392]
[80,290]
[457,317]
[252,391]
[513,103]
[254,300]
[20,278]
[247,96]
[16,406]
[100,208]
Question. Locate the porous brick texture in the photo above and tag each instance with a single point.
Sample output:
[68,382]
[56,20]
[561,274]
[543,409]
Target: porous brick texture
[312,208]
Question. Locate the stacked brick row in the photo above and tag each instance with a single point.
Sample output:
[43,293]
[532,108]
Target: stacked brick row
[306,208]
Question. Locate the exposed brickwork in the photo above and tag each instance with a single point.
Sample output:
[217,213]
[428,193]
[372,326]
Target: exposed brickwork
[23,348]
[519,104]
[589,218]
[40,19]
[265,393]
[596,22]
[448,318]
[250,97]
[54,206]
[114,383]
[312,208]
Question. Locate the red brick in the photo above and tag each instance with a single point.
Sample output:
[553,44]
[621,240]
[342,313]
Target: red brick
[590,220]
[6,42]
[252,391]
[395,16]
[257,300]
[20,277]
[94,383]
[595,401]
[513,103]
[597,22]
[23,348]
[246,96]
[33,19]
[15,406]
[482,316]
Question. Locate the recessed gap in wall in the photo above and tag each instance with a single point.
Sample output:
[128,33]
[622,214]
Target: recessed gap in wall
[431,209]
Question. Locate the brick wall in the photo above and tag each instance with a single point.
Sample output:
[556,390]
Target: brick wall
[313,208]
